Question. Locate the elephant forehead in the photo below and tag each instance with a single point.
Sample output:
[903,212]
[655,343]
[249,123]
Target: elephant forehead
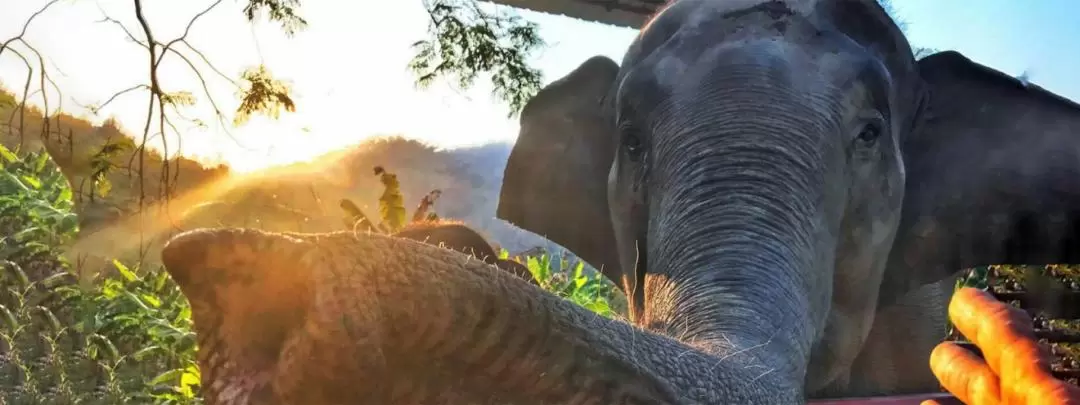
[738,15]
[708,10]
[694,37]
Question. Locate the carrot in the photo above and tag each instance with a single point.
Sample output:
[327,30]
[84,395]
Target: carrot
[965,375]
[1015,369]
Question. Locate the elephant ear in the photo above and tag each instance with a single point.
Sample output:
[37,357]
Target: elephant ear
[555,181]
[993,176]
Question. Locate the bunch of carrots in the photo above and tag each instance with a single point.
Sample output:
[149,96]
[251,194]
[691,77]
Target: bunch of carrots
[1014,368]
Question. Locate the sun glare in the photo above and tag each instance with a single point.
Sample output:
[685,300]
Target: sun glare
[263,143]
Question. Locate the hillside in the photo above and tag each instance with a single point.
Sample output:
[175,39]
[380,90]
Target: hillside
[298,197]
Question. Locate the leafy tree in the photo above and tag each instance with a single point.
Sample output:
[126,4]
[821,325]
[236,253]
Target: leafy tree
[468,41]
[259,91]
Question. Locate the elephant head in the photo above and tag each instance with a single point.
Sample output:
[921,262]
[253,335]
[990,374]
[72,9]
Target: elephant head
[763,175]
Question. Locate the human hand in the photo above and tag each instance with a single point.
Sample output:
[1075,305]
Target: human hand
[1015,370]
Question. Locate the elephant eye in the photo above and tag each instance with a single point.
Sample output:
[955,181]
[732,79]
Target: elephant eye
[632,143]
[870,132]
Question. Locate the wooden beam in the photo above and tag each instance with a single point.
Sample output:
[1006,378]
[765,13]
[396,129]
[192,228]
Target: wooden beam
[620,13]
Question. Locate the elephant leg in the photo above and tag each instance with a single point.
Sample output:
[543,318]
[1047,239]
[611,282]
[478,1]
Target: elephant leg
[895,359]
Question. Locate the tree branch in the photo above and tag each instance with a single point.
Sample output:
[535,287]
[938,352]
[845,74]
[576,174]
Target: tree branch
[155,93]
[22,104]
[206,90]
[206,60]
[26,25]
[44,78]
[131,37]
[96,109]
[6,45]
[468,41]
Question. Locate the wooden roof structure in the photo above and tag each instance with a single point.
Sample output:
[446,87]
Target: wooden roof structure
[621,13]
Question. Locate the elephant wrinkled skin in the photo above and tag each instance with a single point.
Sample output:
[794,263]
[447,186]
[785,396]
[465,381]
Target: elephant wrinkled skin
[366,318]
[782,180]
[777,185]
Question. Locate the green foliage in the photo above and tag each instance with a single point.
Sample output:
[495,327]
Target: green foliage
[593,292]
[7,100]
[128,339]
[391,207]
[35,207]
[262,94]
[282,11]
[391,203]
[101,164]
[978,277]
[469,41]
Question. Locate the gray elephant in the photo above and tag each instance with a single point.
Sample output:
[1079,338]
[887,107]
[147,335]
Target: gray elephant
[773,182]
[781,184]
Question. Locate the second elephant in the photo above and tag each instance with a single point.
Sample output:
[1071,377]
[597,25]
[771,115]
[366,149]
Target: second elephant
[458,236]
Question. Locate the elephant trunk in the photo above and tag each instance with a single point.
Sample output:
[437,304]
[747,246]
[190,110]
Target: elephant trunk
[740,252]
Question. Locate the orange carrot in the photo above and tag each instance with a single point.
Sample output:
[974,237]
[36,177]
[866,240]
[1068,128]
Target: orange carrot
[1015,370]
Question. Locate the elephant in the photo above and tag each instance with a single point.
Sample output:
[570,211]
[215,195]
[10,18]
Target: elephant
[773,183]
[784,178]
[367,318]
[460,237]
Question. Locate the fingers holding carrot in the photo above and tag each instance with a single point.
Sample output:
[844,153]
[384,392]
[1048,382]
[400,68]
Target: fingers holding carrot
[1015,370]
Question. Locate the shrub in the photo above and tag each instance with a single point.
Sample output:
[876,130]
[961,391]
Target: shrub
[591,291]
[126,338]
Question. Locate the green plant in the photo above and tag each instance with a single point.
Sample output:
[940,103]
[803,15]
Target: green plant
[36,216]
[391,207]
[391,203]
[126,338]
[591,291]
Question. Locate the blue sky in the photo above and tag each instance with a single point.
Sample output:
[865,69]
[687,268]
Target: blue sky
[350,82]
[1012,36]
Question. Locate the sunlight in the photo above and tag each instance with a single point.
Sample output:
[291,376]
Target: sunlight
[262,143]
[128,234]
[342,98]
[161,221]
